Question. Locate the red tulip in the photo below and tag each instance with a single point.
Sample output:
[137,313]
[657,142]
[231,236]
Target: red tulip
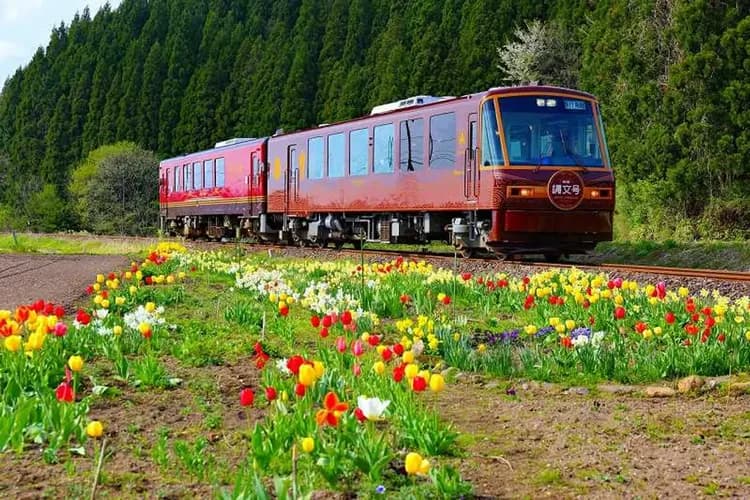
[419,384]
[327,321]
[346,318]
[324,332]
[64,393]
[398,373]
[721,337]
[284,310]
[246,397]
[669,318]
[398,349]
[299,390]
[59,312]
[405,299]
[386,354]
[619,312]
[82,317]
[373,340]
[294,363]
[270,393]
[149,280]
[315,321]
[446,300]
[466,276]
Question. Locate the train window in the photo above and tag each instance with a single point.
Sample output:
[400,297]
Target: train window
[220,172]
[358,152]
[198,174]
[383,149]
[443,140]
[492,154]
[315,158]
[208,172]
[177,178]
[411,140]
[336,145]
[188,176]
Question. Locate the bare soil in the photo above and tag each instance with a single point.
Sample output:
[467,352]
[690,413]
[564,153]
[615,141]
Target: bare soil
[61,279]
[547,443]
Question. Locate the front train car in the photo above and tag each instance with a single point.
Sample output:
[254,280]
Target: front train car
[543,152]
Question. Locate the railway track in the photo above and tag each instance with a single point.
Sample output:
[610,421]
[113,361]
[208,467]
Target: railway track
[714,274]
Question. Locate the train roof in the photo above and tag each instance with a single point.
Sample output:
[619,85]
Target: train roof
[441,101]
[239,144]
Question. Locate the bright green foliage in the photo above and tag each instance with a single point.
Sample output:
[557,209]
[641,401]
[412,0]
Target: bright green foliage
[178,75]
[114,190]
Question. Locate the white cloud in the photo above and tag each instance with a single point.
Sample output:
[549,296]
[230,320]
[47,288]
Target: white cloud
[13,10]
[10,50]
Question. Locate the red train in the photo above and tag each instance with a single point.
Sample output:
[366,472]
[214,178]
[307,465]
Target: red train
[510,170]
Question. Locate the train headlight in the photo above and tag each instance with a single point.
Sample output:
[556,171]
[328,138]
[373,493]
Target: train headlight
[526,192]
[595,193]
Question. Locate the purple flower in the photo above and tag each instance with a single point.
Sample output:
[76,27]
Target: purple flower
[380,490]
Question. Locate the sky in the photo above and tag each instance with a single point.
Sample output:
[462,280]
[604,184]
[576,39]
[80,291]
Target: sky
[25,25]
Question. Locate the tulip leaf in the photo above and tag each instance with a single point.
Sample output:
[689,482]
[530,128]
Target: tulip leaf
[99,390]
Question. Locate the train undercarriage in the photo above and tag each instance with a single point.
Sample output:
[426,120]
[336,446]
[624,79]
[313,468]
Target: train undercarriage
[469,232]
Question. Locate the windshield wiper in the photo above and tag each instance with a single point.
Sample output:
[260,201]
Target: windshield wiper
[571,154]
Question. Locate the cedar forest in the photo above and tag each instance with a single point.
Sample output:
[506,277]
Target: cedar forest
[175,76]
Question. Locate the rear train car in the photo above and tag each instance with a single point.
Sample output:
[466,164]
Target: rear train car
[510,170]
[216,193]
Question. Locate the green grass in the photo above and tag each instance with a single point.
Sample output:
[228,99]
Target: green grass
[733,255]
[72,244]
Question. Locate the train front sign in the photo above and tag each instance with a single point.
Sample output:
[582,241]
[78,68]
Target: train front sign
[511,170]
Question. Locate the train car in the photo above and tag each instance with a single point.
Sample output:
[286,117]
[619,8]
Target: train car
[510,170]
[214,193]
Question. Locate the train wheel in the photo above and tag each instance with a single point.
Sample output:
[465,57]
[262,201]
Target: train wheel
[465,252]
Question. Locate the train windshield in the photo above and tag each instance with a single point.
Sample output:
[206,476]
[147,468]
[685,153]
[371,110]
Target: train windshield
[550,130]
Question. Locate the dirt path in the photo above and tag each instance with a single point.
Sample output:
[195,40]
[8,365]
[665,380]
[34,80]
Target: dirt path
[549,444]
[58,278]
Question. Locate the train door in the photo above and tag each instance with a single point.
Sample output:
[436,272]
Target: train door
[471,170]
[292,179]
[253,184]
[164,188]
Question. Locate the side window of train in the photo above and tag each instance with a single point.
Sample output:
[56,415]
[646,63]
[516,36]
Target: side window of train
[220,172]
[176,183]
[208,171]
[188,170]
[358,152]
[383,152]
[315,158]
[336,145]
[411,142]
[198,174]
[443,140]
[492,154]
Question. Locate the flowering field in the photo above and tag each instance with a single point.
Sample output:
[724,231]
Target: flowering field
[252,377]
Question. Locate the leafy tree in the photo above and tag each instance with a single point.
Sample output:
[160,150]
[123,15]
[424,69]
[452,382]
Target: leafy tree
[46,210]
[122,194]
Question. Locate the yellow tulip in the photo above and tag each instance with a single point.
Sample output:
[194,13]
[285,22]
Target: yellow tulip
[437,383]
[424,466]
[170,279]
[100,278]
[117,330]
[378,367]
[413,462]
[481,348]
[308,444]
[411,371]
[120,301]
[105,304]
[306,375]
[570,324]
[13,343]
[408,357]
[319,368]
[95,429]
[150,307]
[75,363]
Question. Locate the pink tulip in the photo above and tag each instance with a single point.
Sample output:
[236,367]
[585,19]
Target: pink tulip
[341,344]
[357,369]
[61,329]
[357,348]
